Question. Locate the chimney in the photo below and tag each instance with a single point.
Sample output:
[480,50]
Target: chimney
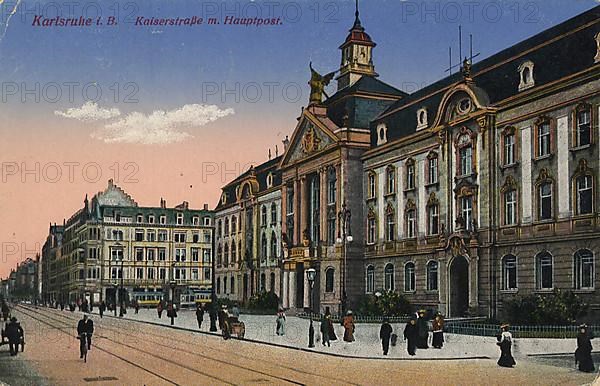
[205,207]
[110,183]
[163,203]
[269,153]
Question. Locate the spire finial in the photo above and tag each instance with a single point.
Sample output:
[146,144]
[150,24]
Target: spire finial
[356,19]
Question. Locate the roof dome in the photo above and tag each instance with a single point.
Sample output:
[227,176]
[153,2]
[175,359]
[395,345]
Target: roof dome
[357,34]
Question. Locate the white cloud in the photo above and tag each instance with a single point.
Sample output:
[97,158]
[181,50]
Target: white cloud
[89,112]
[160,127]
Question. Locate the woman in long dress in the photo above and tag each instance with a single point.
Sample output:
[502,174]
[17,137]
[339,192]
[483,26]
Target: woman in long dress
[438,331]
[349,327]
[280,322]
[505,343]
[583,354]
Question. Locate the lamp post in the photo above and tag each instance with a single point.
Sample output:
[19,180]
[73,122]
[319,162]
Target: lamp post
[344,237]
[172,285]
[121,291]
[311,273]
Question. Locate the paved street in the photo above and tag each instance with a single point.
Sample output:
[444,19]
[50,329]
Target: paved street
[131,353]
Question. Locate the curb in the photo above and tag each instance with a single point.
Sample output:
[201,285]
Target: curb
[260,342]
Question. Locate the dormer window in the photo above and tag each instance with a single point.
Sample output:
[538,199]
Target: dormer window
[223,198]
[526,75]
[421,118]
[381,134]
[597,58]
[269,180]
[140,218]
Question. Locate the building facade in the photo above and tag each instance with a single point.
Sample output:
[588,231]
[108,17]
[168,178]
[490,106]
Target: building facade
[248,234]
[483,186]
[114,250]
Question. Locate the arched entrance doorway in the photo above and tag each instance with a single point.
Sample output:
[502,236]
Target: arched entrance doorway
[459,286]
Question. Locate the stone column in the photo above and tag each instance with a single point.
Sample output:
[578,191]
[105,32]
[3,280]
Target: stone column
[474,281]
[443,296]
[292,289]
[297,198]
[323,198]
[304,212]
[285,299]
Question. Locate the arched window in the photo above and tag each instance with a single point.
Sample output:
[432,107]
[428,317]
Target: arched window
[331,186]
[411,219]
[432,275]
[263,216]
[583,125]
[226,254]
[274,245]
[526,78]
[263,246]
[583,266]
[388,274]
[409,277]
[329,278]
[218,285]
[370,278]
[272,280]
[233,224]
[263,279]
[233,252]
[226,232]
[390,179]
[390,223]
[544,271]
[219,228]
[219,255]
[545,201]
[433,215]
[232,285]
[273,214]
[432,168]
[509,272]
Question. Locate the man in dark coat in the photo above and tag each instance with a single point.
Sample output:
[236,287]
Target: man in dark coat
[15,334]
[86,326]
[102,308]
[411,334]
[5,310]
[200,315]
[423,330]
[385,334]
[583,354]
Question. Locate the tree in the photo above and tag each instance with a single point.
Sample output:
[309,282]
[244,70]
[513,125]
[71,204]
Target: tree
[386,304]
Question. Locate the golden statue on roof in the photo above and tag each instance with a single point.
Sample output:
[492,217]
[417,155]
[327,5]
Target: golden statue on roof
[317,84]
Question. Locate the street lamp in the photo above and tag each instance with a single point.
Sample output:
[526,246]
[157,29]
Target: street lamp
[311,273]
[344,237]
[172,284]
[121,313]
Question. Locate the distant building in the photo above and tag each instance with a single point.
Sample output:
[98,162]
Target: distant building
[114,250]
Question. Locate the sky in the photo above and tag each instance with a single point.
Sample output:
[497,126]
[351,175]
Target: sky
[177,111]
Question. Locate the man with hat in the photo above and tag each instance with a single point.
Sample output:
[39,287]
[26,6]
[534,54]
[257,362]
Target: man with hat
[14,333]
[85,329]
[422,330]
[583,354]
[385,333]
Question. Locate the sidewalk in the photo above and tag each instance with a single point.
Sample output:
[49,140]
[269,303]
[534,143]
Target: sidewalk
[367,345]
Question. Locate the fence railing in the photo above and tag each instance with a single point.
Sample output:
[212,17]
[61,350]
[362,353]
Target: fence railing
[480,329]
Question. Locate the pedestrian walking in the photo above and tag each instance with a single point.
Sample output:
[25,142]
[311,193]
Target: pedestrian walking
[332,335]
[159,309]
[349,327]
[411,335]
[583,354]
[505,342]
[136,306]
[15,334]
[5,310]
[385,333]
[199,315]
[325,329]
[280,329]
[423,330]
[85,328]
[438,331]
[102,308]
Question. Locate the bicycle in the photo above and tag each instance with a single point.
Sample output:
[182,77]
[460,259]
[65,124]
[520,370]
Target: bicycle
[83,349]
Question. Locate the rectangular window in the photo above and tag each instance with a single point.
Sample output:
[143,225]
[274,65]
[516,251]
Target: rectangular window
[371,185]
[370,280]
[151,219]
[433,219]
[139,273]
[163,219]
[584,270]
[151,273]
[371,230]
[179,218]
[545,194]
[139,254]
[409,277]
[584,195]
[195,254]
[583,128]
[410,176]
[433,170]
[163,236]
[194,273]
[509,149]
[150,254]
[543,140]
[391,181]
[432,276]
[151,236]
[410,223]
[195,237]
[139,235]
[391,227]
[179,254]
[289,216]
[179,237]
[510,207]
[331,236]
[510,273]
[544,271]
[466,206]
[162,254]
[162,273]
[466,161]
[116,254]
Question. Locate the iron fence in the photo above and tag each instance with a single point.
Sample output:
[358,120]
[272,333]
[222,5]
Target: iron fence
[481,329]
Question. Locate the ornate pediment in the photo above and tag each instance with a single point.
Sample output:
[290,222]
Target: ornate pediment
[308,138]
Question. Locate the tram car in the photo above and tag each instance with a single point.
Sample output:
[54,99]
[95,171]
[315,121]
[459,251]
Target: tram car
[148,299]
[191,297]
